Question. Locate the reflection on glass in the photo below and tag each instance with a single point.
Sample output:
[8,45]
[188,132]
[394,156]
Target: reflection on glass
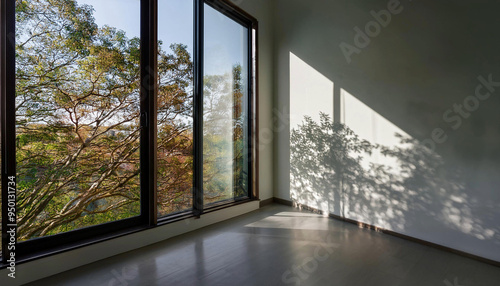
[175,106]
[77,114]
[225,119]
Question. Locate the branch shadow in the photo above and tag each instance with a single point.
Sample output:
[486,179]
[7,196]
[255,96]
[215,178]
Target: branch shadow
[412,188]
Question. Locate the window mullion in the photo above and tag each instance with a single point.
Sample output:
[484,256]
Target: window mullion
[198,107]
[149,92]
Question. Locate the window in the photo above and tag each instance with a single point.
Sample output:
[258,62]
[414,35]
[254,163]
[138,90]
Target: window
[225,116]
[118,115]
[77,115]
[175,107]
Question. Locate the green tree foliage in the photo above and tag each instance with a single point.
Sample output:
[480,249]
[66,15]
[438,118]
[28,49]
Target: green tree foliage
[175,138]
[240,170]
[77,119]
[77,122]
[224,138]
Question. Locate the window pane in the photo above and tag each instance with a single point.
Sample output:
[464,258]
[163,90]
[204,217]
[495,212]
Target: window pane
[225,120]
[175,106]
[77,114]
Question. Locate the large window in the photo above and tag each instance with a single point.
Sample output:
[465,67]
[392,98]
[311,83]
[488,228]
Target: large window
[121,114]
[225,117]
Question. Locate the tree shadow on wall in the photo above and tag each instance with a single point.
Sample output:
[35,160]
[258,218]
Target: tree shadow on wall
[402,187]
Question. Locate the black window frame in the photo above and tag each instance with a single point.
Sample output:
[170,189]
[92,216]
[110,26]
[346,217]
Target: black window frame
[45,246]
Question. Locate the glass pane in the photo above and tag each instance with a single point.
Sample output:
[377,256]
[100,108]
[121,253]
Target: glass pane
[77,114]
[225,118]
[175,106]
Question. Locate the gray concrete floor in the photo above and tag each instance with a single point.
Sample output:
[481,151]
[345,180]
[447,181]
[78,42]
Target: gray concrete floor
[279,245]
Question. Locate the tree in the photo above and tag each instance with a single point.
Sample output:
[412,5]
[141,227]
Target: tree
[175,125]
[224,143]
[77,119]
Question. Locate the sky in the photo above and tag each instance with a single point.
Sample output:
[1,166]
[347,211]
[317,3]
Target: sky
[224,39]
[225,42]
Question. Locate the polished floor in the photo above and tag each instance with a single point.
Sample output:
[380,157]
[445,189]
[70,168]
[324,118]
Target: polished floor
[279,245]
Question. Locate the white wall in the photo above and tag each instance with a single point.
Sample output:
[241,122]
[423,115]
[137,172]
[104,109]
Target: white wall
[262,11]
[427,58]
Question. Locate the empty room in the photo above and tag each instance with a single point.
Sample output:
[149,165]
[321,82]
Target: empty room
[249,142]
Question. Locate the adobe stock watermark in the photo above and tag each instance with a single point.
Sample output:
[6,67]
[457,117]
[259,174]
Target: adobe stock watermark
[456,115]
[12,226]
[372,29]
[123,277]
[298,273]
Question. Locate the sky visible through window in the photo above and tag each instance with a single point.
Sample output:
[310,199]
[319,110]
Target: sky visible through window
[175,25]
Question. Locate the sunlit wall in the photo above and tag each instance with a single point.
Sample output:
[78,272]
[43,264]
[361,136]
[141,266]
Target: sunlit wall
[403,80]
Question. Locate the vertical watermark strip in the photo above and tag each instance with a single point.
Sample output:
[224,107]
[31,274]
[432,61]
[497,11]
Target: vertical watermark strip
[12,226]
[8,131]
